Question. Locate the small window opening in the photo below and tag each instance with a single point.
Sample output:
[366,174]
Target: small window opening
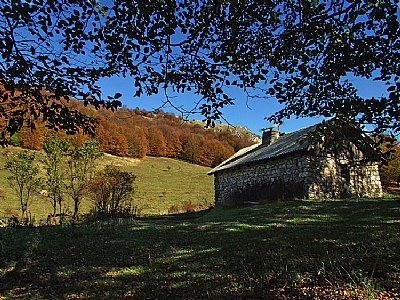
[344,171]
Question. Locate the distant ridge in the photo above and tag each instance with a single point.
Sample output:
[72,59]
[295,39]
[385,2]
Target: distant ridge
[237,130]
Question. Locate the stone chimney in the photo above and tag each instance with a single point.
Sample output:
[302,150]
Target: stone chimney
[270,136]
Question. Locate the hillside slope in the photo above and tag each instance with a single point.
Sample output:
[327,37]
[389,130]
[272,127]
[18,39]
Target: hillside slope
[138,133]
[162,186]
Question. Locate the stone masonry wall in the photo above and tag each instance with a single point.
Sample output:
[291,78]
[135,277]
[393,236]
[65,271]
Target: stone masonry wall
[319,175]
[363,180]
[289,170]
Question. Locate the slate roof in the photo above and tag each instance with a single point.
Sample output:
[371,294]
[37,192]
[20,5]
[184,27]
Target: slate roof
[287,143]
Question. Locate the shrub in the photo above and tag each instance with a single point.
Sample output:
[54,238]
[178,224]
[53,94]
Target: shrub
[14,221]
[173,209]
[112,191]
[189,206]
[124,212]
[15,139]
[61,219]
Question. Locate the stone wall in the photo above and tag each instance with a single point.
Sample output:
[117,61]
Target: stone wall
[294,169]
[362,180]
[319,176]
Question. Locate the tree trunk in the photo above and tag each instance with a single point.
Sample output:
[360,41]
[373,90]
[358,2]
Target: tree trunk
[54,205]
[60,204]
[76,208]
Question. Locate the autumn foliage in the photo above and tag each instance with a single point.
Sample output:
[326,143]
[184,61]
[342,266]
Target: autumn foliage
[390,171]
[112,190]
[138,133]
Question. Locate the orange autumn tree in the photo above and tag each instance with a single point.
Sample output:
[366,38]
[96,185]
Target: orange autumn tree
[111,138]
[216,152]
[391,170]
[138,144]
[157,143]
[172,140]
[33,138]
[137,133]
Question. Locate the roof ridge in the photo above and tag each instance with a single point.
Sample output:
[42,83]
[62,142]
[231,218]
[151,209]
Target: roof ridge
[285,144]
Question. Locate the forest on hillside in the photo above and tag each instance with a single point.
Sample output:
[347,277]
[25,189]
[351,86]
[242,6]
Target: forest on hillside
[138,133]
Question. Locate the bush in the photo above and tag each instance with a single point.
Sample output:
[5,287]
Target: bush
[112,191]
[15,139]
[14,221]
[61,219]
[173,209]
[189,206]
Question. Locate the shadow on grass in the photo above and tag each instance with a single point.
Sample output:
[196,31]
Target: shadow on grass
[179,216]
[282,250]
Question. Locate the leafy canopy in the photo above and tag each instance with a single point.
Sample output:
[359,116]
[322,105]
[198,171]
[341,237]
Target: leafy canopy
[300,52]
[55,149]
[81,166]
[24,176]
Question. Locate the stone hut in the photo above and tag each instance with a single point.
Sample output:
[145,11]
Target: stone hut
[291,166]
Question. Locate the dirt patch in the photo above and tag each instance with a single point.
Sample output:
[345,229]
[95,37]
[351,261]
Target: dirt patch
[119,161]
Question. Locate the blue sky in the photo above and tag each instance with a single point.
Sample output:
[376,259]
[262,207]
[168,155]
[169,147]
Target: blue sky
[250,113]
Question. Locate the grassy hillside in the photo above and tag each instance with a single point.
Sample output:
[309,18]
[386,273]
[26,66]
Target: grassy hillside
[163,182]
[160,184]
[344,249]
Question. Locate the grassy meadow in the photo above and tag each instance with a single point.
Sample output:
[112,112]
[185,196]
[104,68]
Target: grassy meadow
[347,249]
[338,249]
[160,184]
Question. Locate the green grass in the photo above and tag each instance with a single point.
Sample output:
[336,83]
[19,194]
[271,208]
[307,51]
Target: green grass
[163,182]
[347,249]
[160,183]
